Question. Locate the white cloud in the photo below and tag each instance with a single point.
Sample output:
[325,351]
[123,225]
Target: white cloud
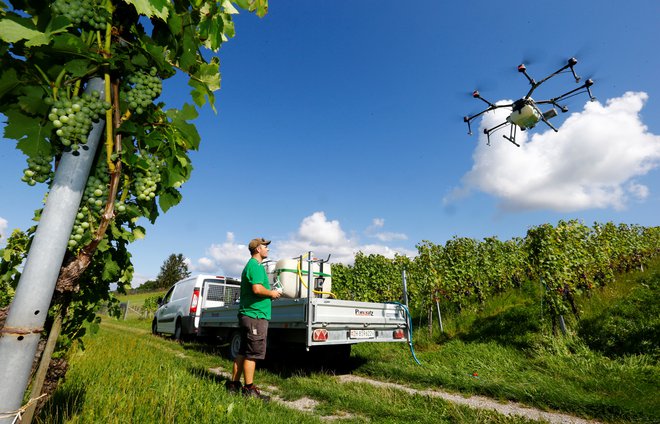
[590,163]
[316,233]
[3,230]
[138,280]
[384,236]
[226,258]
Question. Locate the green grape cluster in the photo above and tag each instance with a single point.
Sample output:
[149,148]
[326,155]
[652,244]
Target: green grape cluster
[93,202]
[87,13]
[144,88]
[147,181]
[73,118]
[38,171]
[81,228]
[96,191]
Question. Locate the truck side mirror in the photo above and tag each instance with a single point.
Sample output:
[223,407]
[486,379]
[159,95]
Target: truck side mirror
[160,301]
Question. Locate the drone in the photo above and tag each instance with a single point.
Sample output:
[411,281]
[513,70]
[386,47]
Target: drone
[526,112]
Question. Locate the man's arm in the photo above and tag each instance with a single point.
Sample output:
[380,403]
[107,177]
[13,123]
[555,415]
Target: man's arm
[260,290]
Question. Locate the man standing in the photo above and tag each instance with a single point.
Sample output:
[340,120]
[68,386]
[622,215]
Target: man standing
[253,316]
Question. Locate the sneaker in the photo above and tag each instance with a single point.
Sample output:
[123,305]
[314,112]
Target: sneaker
[233,386]
[254,392]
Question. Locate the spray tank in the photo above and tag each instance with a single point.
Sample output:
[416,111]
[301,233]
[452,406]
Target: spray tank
[291,276]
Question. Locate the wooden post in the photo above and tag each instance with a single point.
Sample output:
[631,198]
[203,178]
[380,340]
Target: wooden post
[40,377]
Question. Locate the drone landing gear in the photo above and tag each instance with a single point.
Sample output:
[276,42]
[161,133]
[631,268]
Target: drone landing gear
[495,128]
[512,135]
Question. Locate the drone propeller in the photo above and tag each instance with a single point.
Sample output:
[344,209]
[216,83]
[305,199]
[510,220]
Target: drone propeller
[532,57]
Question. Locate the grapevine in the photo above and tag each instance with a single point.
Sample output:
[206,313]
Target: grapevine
[51,50]
[568,260]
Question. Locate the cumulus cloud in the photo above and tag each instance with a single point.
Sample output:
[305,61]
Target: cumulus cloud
[316,233]
[3,230]
[326,237]
[592,162]
[226,258]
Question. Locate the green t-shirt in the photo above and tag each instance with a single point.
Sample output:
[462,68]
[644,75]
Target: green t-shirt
[253,305]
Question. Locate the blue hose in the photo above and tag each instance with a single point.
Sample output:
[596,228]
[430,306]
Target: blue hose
[410,330]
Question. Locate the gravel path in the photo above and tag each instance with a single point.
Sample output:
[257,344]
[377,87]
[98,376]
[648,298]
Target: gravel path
[480,402]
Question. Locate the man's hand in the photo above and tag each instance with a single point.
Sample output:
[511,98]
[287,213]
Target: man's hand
[275,294]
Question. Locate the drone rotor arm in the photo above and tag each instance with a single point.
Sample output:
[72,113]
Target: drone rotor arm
[569,65]
[586,86]
[488,109]
[545,120]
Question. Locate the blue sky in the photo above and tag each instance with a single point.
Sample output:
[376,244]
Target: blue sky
[339,129]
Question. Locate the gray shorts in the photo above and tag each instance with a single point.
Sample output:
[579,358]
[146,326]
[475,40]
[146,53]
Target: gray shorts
[254,332]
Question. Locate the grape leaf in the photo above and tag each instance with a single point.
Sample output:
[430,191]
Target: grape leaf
[31,138]
[12,31]
[229,8]
[8,81]
[228,26]
[78,67]
[111,269]
[138,233]
[199,93]
[209,74]
[169,198]
[188,57]
[157,8]
[69,43]
[32,102]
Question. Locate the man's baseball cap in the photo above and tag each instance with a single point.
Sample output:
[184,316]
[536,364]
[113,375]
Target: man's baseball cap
[254,243]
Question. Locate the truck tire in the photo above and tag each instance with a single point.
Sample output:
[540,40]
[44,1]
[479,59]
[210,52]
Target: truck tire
[177,331]
[154,328]
[234,344]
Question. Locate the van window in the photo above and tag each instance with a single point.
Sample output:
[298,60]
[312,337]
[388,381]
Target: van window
[222,291]
[168,296]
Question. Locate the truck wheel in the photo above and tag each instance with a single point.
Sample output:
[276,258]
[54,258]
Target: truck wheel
[177,330]
[234,344]
[154,328]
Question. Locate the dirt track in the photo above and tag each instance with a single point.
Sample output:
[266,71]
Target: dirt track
[479,402]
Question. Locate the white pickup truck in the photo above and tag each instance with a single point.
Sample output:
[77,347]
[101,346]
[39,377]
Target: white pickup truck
[306,315]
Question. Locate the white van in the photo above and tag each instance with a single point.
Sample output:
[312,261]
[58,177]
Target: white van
[180,309]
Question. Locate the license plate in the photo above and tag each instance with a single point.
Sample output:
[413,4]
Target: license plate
[363,334]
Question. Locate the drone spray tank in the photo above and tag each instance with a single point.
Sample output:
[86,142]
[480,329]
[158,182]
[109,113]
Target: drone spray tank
[525,114]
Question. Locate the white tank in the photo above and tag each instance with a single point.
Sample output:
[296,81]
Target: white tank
[288,273]
[525,117]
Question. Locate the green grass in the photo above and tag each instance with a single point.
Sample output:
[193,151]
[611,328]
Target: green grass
[504,350]
[139,298]
[135,301]
[127,375]
[509,344]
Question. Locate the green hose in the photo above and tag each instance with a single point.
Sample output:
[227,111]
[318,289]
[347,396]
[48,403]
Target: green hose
[410,330]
